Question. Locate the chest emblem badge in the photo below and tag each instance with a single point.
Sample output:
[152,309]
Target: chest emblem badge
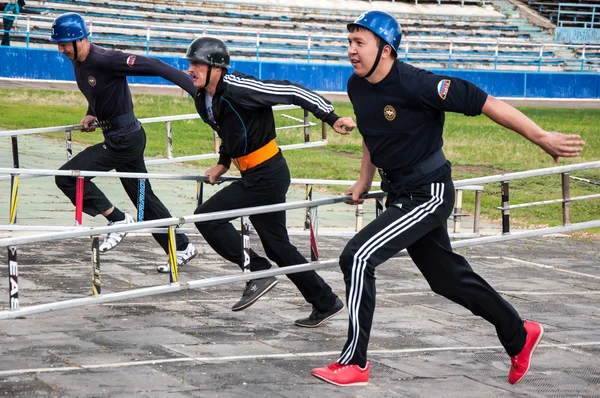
[389,112]
[92,81]
[443,87]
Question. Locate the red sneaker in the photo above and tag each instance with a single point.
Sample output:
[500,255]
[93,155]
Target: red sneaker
[344,375]
[520,363]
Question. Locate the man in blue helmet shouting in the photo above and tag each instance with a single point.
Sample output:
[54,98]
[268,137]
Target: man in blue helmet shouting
[102,78]
[400,114]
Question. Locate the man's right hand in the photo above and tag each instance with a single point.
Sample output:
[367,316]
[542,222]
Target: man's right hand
[357,189]
[215,172]
[87,123]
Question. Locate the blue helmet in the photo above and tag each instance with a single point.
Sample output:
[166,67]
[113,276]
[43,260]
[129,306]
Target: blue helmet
[68,27]
[382,24]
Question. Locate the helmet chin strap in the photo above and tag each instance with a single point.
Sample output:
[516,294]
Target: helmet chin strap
[382,44]
[207,77]
[75,54]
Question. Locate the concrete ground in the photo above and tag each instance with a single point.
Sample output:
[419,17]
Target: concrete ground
[191,344]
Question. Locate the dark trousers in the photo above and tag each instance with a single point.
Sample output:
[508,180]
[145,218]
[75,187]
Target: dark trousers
[124,154]
[7,25]
[263,185]
[416,220]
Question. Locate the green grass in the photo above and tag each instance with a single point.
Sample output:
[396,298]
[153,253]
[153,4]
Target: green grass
[476,146]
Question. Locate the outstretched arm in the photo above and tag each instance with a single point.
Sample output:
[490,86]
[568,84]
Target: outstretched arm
[555,144]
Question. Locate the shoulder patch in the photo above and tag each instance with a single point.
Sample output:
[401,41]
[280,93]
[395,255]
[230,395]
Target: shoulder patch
[443,87]
[130,60]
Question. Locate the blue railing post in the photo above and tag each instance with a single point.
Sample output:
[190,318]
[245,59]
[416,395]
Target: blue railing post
[541,54]
[148,39]
[496,56]
[28,31]
[308,51]
[450,55]
[406,50]
[582,57]
[257,45]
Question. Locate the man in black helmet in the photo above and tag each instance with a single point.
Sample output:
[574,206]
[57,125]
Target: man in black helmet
[239,108]
[102,78]
[400,113]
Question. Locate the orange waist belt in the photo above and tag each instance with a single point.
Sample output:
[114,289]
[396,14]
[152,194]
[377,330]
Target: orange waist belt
[257,157]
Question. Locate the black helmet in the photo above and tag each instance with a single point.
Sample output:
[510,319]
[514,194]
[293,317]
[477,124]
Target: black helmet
[210,51]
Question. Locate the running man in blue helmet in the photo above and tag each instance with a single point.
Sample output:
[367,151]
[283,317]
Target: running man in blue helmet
[400,114]
[101,76]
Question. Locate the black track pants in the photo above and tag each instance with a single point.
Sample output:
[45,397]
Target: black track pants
[416,220]
[266,185]
[123,154]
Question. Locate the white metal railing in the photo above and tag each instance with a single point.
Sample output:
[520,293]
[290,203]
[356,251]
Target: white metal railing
[306,124]
[11,243]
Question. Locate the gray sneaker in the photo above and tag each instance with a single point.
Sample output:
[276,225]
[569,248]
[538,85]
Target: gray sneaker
[254,290]
[317,318]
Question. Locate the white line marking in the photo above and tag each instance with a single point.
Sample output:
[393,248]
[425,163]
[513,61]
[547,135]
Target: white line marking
[275,356]
[550,267]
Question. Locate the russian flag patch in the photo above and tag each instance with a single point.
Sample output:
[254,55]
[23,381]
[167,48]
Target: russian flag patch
[443,87]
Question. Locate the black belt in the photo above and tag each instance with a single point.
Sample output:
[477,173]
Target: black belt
[426,166]
[116,122]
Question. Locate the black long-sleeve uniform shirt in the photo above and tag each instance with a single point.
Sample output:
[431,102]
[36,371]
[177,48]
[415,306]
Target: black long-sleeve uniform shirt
[401,118]
[102,78]
[242,111]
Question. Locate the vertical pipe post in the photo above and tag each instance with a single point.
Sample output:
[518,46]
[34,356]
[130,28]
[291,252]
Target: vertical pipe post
[14,182]
[68,144]
[141,199]
[496,55]
[79,201]
[323,131]
[306,127]
[457,211]
[359,212]
[13,279]
[169,140]
[173,275]
[217,141]
[246,242]
[505,208]
[566,195]
[309,191]
[314,242]
[199,192]
[96,281]
[308,51]
[476,216]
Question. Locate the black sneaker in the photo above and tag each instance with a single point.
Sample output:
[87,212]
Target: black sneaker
[254,290]
[317,318]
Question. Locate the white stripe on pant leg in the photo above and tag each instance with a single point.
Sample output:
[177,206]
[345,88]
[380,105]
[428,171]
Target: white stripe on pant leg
[365,251]
[357,271]
[362,257]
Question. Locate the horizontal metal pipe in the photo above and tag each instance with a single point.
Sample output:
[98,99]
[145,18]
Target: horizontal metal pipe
[155,290]
[548,202]
[71,127]
[93,231]
[179,286]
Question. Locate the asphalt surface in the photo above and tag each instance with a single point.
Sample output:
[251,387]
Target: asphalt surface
[190,344]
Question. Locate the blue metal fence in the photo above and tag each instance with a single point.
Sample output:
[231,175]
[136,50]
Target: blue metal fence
[50,65]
